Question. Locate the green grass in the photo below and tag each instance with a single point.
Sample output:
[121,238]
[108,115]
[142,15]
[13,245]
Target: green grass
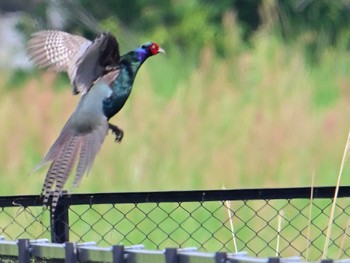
[260,117]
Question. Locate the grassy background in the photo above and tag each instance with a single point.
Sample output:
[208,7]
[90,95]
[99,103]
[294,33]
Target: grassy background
[262,116]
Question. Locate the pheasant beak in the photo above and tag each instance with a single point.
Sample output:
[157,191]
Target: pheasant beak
[160,50]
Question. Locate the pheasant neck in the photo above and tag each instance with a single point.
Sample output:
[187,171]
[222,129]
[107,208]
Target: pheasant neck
[122,85]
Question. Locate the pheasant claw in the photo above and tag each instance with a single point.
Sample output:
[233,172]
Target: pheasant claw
[119,134]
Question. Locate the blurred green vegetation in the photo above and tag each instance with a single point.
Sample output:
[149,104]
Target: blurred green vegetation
[192,24]
[232,103]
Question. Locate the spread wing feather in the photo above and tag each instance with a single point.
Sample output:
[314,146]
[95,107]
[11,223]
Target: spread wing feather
[56,50]
[83,60]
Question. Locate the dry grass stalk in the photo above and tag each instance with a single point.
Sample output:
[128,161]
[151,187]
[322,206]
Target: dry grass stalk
[345,235]
[279,228]
[310,215]
[230,216]
[331,217]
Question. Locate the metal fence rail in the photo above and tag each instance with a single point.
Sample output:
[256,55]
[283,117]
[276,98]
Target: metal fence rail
[25,251]
[261,222]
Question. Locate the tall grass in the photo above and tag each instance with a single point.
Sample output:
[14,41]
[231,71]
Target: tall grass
[260,117]
[334,203]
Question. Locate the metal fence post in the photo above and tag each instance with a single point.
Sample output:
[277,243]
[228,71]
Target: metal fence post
[118,254]
[220,257]
[274,260]
[60,223]
[71,253]
[171,255]
[23,251]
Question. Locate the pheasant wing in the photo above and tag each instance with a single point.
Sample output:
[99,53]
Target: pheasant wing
[101,57]
[57,50]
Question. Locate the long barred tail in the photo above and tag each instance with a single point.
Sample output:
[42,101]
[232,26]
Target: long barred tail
[90,146]
[60,169]
[64,153]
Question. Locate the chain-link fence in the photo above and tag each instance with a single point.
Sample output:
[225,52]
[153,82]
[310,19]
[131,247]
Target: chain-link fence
[262,222]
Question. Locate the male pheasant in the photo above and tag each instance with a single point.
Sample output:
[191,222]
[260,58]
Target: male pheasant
[104,79]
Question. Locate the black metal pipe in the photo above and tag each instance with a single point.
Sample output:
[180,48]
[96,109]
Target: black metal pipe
[180,196]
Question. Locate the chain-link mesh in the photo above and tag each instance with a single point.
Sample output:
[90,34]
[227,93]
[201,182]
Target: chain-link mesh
[264,228]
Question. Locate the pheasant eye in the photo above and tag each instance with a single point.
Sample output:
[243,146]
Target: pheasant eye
[154,48]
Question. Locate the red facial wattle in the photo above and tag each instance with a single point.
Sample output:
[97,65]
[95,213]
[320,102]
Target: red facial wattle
[154,49]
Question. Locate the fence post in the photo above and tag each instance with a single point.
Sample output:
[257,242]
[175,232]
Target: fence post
[118,253]
[23,251]
[220,257]
[274,260]
[71,253]
[171,255]
[60,223]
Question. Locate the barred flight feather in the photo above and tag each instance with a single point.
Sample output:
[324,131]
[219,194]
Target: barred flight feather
[56,49]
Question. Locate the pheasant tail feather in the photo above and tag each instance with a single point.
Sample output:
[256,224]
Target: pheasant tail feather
[64,154]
